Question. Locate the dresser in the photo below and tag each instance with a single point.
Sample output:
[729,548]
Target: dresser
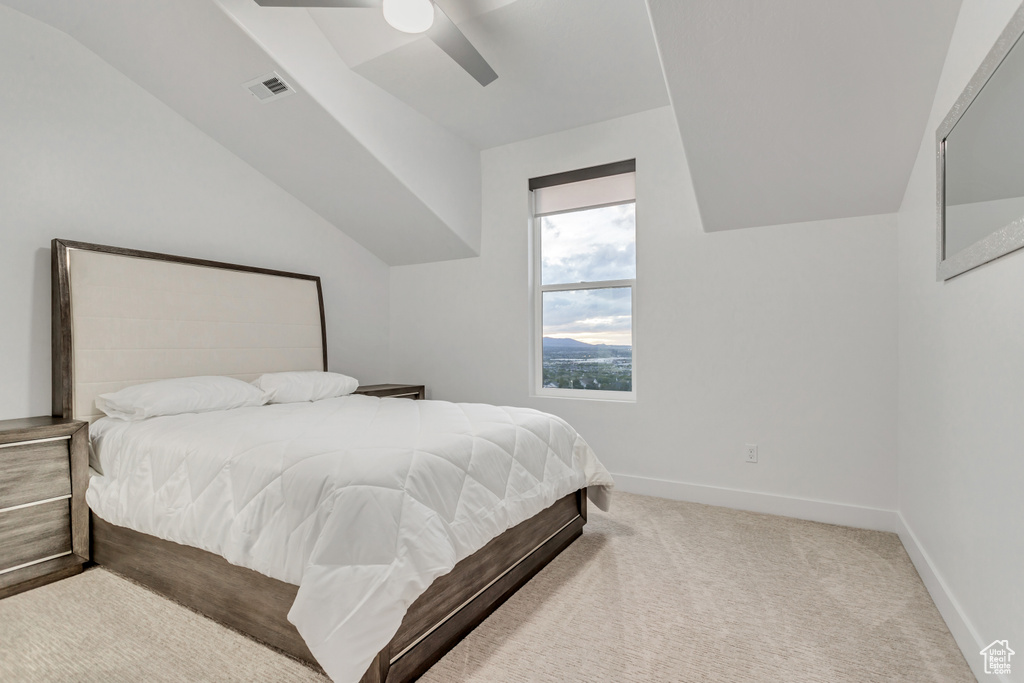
[44,520]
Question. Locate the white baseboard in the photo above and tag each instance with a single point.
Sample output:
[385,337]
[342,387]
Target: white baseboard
[787,506]
[964,633]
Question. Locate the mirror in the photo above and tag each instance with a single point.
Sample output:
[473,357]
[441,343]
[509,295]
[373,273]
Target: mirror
[981,162]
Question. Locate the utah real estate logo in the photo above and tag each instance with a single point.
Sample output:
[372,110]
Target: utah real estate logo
[997,657]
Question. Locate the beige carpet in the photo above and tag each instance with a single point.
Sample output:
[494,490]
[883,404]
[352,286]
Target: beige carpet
[656,591]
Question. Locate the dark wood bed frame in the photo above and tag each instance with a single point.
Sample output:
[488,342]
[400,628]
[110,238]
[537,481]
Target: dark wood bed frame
[258,605]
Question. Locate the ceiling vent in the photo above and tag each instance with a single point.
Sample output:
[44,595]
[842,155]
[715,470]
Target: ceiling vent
[269,87]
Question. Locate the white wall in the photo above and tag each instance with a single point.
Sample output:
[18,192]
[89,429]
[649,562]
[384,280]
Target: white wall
[782,336]
[85,154]
[961,397]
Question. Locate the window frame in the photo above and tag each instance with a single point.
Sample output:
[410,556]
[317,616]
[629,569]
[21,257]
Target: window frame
[537,387]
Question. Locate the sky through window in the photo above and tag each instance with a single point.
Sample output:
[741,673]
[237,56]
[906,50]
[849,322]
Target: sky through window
[589,245]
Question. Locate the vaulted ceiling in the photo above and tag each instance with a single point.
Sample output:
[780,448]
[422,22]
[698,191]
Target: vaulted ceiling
[801,110]
[789,110]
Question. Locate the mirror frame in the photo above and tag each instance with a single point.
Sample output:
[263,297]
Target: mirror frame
[1010,237]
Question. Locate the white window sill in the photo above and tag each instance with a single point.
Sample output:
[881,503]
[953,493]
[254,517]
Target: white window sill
[587,395]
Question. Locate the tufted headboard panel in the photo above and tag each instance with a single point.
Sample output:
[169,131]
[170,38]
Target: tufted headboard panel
[123,317]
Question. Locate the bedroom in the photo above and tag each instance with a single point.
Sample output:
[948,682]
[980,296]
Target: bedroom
[878,397]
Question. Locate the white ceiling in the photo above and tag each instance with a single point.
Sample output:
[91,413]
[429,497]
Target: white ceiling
[789,110]
[801,110]
[560,63]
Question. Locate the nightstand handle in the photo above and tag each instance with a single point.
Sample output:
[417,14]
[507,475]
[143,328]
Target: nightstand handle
[26,443]
[39,561]
[35,502]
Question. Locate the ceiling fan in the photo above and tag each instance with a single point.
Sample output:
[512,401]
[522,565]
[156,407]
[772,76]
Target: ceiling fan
[415,16]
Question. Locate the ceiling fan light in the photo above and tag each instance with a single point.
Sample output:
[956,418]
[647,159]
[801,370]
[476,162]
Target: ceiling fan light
[409,16]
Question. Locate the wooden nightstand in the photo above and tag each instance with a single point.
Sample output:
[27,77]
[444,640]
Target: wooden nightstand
[413,391]
[44,520]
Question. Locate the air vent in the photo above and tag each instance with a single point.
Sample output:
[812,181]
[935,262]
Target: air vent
[269,87]
[275,85]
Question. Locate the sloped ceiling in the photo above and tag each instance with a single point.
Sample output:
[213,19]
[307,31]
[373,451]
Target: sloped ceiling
[801,110]
[399,184]
[789,110]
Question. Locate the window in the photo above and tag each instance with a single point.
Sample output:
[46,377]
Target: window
[584,264]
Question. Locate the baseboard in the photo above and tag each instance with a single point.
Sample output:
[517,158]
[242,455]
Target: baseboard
[964,633]
[787,506]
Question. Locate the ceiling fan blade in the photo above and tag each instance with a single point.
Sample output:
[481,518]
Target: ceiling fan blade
[449,38]
[318,3]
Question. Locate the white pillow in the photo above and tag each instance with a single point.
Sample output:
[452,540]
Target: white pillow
[176,396]
[312,385]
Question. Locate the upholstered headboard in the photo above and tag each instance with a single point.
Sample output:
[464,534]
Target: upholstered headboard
[123,317]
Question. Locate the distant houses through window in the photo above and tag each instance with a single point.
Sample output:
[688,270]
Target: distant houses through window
[584,265]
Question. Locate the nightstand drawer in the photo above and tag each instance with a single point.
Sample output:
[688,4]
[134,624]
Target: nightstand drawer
[33,533]
[34,472]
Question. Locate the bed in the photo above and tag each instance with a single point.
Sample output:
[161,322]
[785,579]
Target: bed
[123,317]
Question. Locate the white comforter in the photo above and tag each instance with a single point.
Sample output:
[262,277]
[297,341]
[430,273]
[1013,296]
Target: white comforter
[361,502]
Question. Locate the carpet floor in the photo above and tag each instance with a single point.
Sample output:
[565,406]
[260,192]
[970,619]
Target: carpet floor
[657,590]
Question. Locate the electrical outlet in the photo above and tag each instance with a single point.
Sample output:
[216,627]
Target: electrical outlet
[751,452]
